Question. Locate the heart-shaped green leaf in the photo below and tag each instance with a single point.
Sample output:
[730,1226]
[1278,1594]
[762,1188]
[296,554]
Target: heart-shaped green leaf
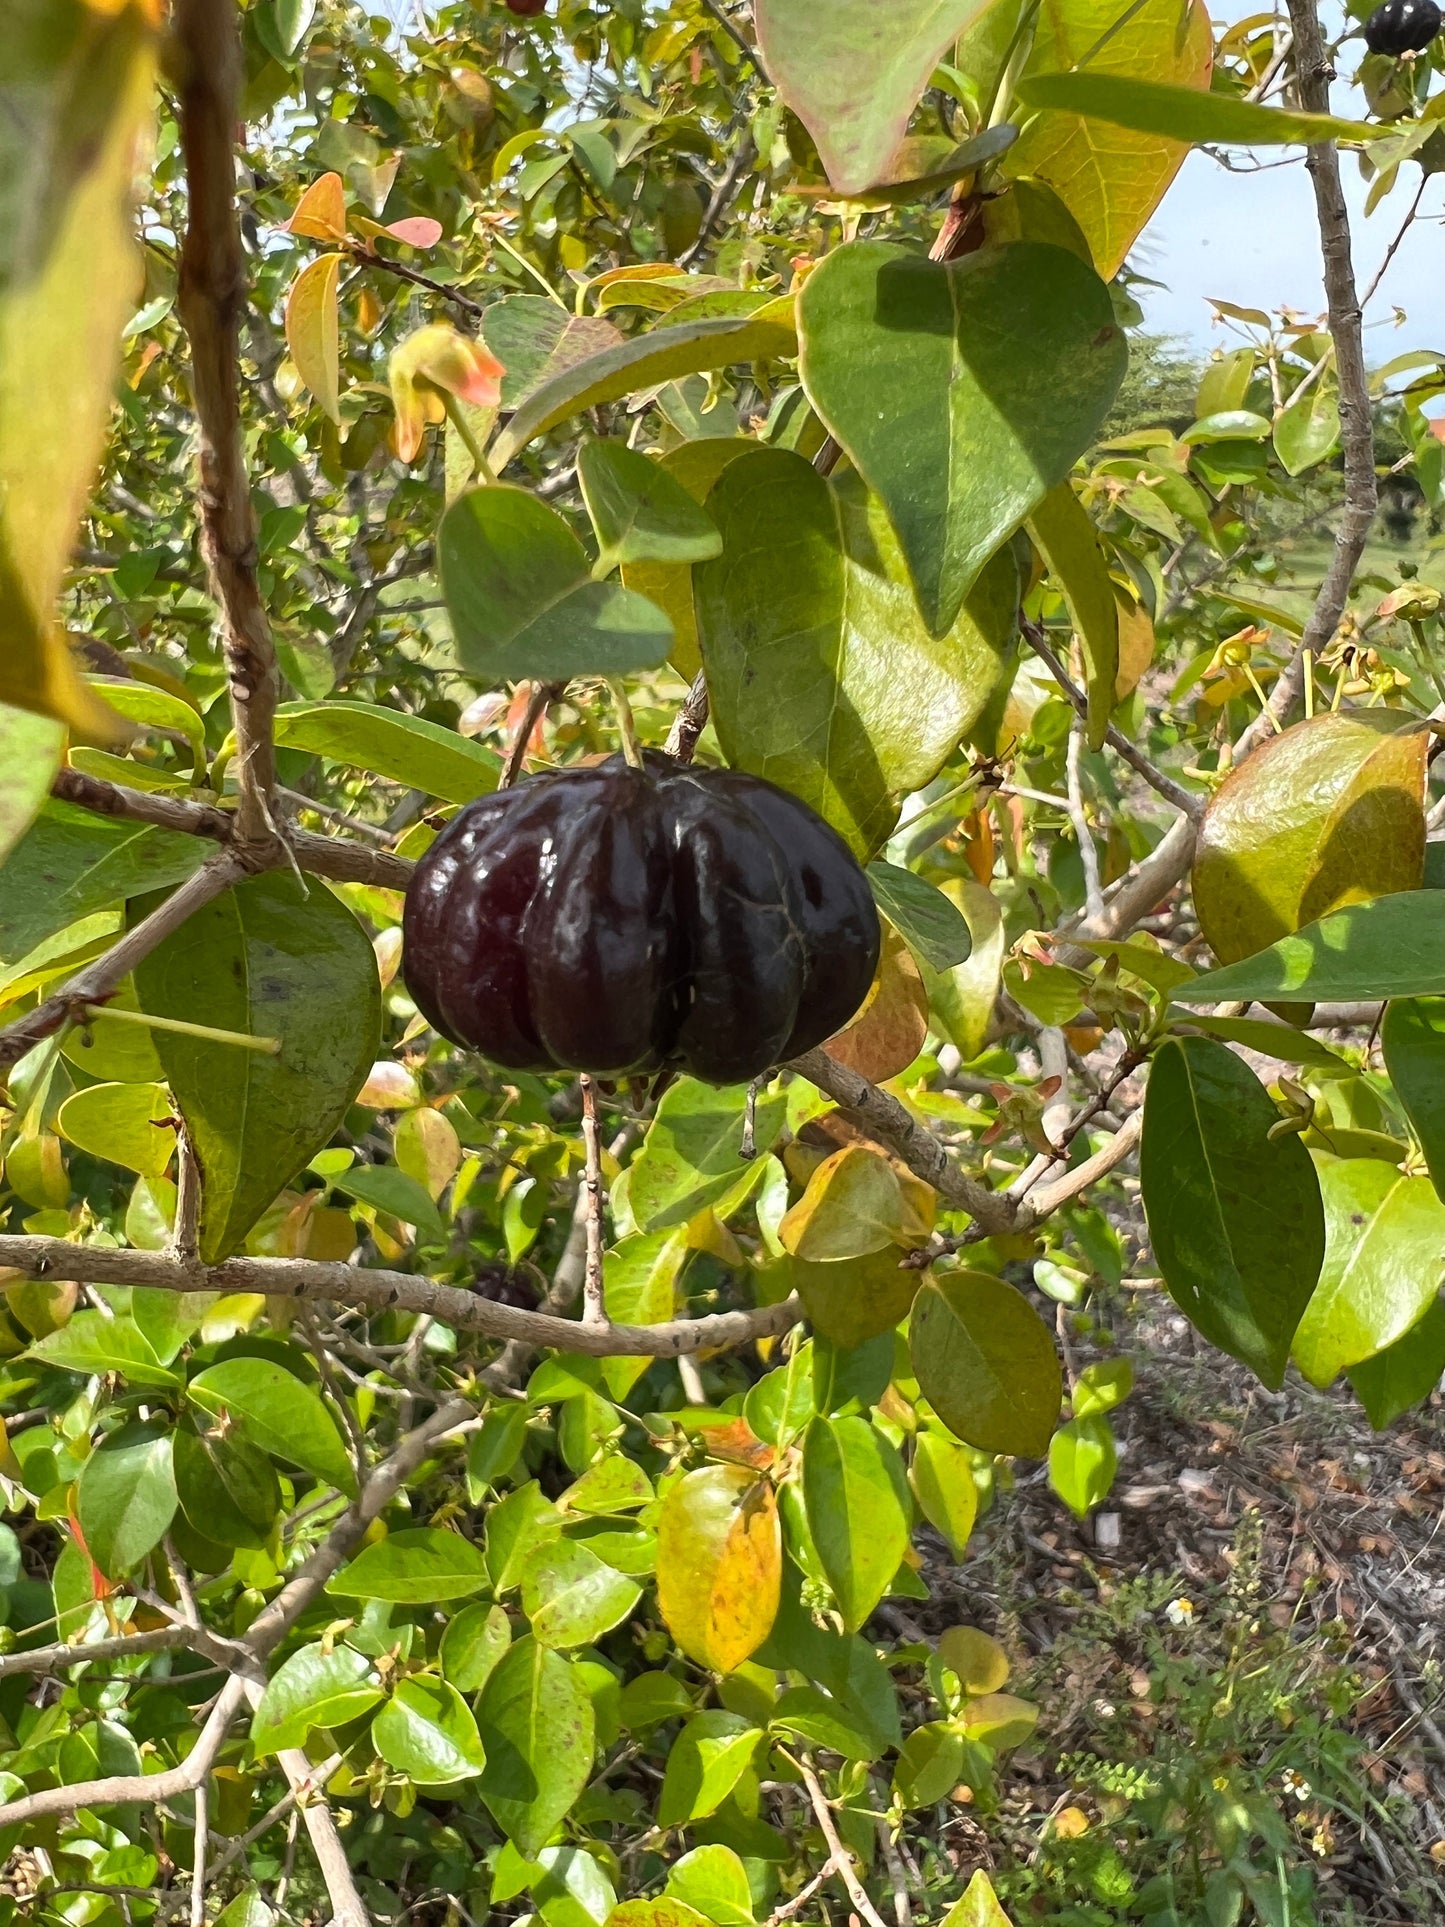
[854,71]
[639,512]
[823,678]
[522,600]
[963,391]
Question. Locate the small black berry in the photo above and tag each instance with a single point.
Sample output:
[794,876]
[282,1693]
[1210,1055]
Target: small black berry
[1402,27]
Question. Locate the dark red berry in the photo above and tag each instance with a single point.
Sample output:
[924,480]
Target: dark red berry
[1402,27]
[627,921]
[527,9]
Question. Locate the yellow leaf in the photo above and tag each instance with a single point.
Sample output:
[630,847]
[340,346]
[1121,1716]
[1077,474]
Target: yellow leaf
[312,330]
[719,1564]
[980,1662]
[321,211]
[979,1906]
[1071,1824]
[72,132]
[1136,643]
[853,1205]
[1110,178]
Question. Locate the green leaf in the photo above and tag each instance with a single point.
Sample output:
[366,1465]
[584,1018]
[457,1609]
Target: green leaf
[976,1657]
[854,74]
[227,1489]
[248,1909]
[1065,538]
[1406,1373]
[420,1567]
[999,370]
[76,97]
[92,1343]
[1234,1215]
[313,1688]
[614,1484]
[1413,1040]
[1308,428]
[1282,1041]
[127,1124]
[719,1564]
[273,957]
[536,340]
[1391,947]
[930,923]
[986,1363]
[645,362]
[1101,1386]
[1332,811]
[426,1731]
[1111,187]
[856,1299]
[156,709]
[978,1907]
[114,1052]
[714,1881]
[473,1643]
[695,466]
[386,1189]
[853,1205]
[815,1718]
[30,751]
[1384,1255]
[707,1759]
[70,864]
[929,1765]
[856,1499]
[1082,1462]
[943,1484]
[574,1891]
[278,1414]
[667,1911]
[523,602]
[691,1156]
[1184,113]
[639,512]
[823,677]
[390,743]
[126,1497]
[537,1715]
[572,1598]
[961,1000]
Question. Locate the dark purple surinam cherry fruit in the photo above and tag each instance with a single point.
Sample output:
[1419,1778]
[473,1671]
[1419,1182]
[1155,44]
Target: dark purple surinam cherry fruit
[627,921]
[527,8]
[1402,27]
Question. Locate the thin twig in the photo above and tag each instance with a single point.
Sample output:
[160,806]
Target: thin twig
[594,1309]
[1394,247]
[735,33]
[188,1201]
[212,300]
[721,199]
[198,1865]
[543,695]
[1078,817]
[839,1854]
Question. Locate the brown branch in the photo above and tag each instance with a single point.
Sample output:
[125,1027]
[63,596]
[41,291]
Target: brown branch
[153,1789]
[100,980]
[543,695]
[594,1309]
[837,1852]
[689,722]
[323,856]
[44,1661]
[886,1119]
[1313,74]
[1047,1198]
[212,302]
[377,1290]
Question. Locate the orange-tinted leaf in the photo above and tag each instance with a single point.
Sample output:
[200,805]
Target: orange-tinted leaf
[892,1027]
[313,333]
[321,211]
[433,362]
[858,1299]
[719,1564]
[1136,643]
[418,231]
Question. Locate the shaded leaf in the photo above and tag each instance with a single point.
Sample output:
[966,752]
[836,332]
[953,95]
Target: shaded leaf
[536,339]
[278,1414]
[30,750]
[927,919]
[708,1758]
[537,1716]
[126,1497]
[1234,1215]
[1406,1373]
[639,513]
[1065,537]
[999,369]
[273,958]
[986,1363]
[71,863]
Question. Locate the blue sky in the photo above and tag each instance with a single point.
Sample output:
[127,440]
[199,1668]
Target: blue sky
[1251,238]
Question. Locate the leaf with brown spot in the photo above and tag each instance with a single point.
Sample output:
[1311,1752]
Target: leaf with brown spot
[719,1564]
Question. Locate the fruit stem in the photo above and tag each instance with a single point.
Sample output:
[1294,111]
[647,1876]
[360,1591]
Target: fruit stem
[457,415]
[631,747]
[242,1039]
